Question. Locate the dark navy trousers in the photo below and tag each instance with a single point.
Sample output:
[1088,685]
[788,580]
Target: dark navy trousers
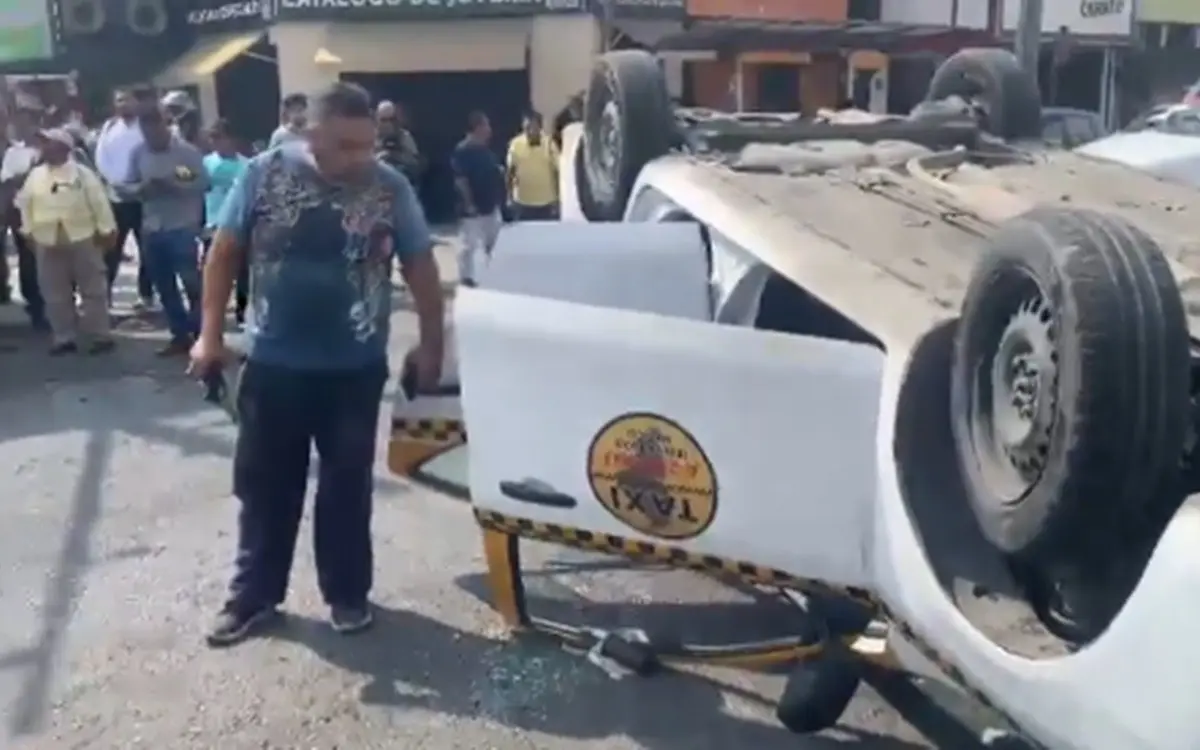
[283,413]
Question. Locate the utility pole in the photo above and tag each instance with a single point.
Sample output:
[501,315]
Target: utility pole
[1029,34]
[607,13]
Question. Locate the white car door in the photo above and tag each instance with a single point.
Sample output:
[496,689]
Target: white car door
[745,445]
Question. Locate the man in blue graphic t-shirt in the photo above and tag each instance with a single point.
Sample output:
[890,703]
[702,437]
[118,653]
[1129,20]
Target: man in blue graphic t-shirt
[319,223]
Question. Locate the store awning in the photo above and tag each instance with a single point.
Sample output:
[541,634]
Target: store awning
[207,56]
[325,57]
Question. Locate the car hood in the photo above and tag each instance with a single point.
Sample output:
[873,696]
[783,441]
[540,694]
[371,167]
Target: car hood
[1174,157]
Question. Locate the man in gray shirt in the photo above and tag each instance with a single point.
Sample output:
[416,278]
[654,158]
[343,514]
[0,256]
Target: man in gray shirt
[167,175]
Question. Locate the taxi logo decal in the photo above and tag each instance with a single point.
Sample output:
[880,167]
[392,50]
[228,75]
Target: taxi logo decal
[653,476]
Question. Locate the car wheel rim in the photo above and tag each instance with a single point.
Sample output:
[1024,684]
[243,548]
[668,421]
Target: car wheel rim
[1015,397]
[978,102]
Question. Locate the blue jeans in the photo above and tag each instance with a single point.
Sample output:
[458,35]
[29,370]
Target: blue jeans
[174,262]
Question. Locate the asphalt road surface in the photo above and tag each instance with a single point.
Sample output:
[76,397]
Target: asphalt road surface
[116,536]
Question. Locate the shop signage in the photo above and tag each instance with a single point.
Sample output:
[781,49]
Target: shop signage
[1079,17]
[384,10]
[225,15]
[661,9]
[25,31]
[798,11]
[1169,11]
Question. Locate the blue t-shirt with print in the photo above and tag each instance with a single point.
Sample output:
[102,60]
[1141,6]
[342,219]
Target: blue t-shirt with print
[223,174]
[321,259]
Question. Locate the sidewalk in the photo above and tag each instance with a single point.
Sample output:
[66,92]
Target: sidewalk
[446,253]
[13,314]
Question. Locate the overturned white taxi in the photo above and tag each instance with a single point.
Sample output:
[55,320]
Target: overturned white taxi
[938,385]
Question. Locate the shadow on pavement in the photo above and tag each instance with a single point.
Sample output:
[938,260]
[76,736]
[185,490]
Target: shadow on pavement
[63,589]
[414,662]
[28,374]
[197,443]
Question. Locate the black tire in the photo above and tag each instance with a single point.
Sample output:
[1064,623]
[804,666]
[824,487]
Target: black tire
[583,188]
[995,80]
[1104,439]
[818,691]
[627,121]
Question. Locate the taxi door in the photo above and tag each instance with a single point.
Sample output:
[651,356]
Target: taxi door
[609,404]
[661,269]
[670,435]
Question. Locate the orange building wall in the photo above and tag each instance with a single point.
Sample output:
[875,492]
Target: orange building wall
[712,83]
[820,77]
[820,83]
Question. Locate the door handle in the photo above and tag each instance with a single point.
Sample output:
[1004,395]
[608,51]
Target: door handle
[527,491]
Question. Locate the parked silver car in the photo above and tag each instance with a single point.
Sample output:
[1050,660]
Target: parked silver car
[1164,142]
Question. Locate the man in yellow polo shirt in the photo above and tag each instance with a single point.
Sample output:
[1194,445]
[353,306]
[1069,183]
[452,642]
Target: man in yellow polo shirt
[66,216]
[533,173]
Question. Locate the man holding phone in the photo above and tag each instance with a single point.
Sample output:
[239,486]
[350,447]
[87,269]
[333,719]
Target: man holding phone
[167,174]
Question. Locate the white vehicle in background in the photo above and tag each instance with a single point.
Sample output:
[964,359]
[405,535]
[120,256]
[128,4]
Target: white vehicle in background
[936,386]
[1164,142]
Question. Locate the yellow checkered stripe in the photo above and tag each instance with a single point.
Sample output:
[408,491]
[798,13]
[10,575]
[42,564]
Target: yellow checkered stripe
[675,557]
[437,430]
[717,566]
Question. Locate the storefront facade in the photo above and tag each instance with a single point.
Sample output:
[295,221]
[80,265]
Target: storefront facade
[1168,63]
[1084,41]
[1087,40]
[222,32]
[550,43]
[443,59]
[782,80]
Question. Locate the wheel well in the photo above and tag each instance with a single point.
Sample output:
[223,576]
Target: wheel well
[787,307]
[1191,457]
[783,305]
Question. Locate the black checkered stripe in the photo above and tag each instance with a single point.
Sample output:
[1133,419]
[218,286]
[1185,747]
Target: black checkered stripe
[437,430]
[710,564]
[946,667]
[676,557]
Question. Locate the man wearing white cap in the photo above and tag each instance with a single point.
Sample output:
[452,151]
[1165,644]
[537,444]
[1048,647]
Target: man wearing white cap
[184,117]
[66,216]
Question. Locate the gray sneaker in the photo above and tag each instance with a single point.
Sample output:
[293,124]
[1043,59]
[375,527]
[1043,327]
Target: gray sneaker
[233,626]
[349,620]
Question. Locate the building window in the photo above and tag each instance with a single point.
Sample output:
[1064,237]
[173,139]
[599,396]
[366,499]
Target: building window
[1179,36]
[864,10]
